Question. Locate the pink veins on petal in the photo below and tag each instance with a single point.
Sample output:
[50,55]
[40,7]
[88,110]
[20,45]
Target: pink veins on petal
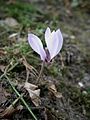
[54,42]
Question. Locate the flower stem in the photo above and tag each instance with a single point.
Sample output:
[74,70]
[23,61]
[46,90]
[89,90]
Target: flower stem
[41,71]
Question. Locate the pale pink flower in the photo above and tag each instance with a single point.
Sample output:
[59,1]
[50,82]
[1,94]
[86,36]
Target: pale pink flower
[54,42]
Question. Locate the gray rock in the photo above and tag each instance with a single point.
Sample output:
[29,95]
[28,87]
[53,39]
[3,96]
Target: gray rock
[11,22]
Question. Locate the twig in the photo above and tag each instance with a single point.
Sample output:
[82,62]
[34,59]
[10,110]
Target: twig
[27,73]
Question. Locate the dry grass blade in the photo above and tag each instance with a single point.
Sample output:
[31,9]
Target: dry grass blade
[29,67]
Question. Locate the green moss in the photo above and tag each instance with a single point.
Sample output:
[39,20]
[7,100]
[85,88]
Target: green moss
[53,70]
[25,13]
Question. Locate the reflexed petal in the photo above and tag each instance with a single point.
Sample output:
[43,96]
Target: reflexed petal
[56,44]
[48,38]
[36,45]
[60,39]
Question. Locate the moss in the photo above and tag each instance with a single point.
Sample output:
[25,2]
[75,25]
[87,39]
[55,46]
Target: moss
[21,11]
[53,70]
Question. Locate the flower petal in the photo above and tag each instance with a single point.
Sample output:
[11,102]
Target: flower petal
[48,38]
[54,42]
[58,42]
[36,45]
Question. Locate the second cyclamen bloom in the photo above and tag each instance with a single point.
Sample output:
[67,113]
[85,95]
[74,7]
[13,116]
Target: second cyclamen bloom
[54,42]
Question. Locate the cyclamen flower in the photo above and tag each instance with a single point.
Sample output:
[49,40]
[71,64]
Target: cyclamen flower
[54,42]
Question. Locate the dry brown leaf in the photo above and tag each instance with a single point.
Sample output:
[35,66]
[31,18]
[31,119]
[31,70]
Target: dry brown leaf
[10,111]
[30,86]
[2,52]
[2,68]
[34,93]
[58,95]
[52,88]
[35,97]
